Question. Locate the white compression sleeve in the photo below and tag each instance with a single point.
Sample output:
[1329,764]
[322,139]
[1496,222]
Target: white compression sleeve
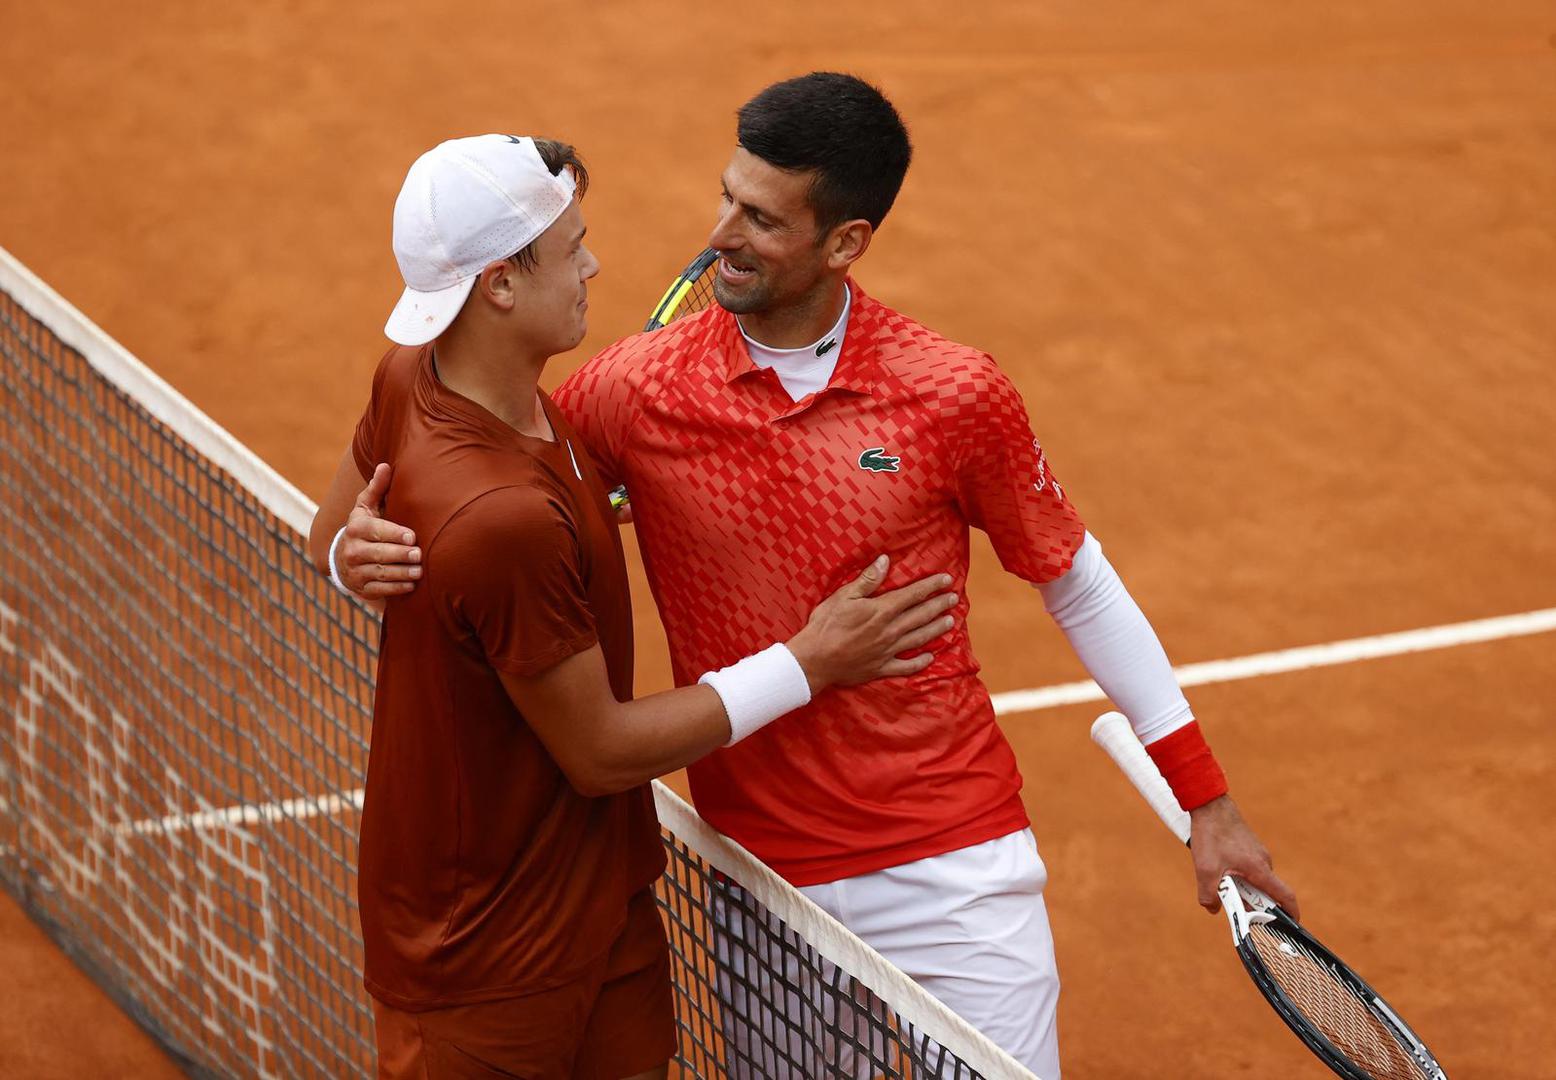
[759,689]
[1110,634]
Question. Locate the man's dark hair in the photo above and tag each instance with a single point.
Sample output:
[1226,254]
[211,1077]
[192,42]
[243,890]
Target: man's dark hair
[557,156]
[844,130]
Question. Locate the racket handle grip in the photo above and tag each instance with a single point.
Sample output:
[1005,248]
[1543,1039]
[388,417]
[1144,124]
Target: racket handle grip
[1113,733]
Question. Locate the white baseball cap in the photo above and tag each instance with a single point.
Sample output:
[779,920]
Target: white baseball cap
[465,204]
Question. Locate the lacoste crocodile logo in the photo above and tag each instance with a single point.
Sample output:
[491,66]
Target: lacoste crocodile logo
[876,459]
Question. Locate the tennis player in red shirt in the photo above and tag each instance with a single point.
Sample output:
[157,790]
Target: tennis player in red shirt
[791,431]
[508,839]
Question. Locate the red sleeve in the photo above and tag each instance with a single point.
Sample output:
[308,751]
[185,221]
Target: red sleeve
[600,399]
[396,367]
[508,573]
[1003,481]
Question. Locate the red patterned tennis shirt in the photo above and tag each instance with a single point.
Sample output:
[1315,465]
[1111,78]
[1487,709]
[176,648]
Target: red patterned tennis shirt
[752,507]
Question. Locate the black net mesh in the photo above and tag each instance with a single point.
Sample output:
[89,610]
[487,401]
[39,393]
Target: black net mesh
[757,999]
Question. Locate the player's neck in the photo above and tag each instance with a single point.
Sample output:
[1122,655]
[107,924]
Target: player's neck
[801,323]
[493,378]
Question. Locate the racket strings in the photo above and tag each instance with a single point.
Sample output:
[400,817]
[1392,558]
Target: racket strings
[699,296]
[1333,1006]
[691,293]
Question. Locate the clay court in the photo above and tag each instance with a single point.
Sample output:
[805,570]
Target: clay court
[1276,283]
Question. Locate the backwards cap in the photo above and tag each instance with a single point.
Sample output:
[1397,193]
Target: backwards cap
[465,204]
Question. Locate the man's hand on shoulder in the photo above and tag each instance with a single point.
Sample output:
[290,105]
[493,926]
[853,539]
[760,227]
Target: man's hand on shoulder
[1222,843]
[377,558]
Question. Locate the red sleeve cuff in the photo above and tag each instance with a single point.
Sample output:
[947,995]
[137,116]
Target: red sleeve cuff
[1184,758]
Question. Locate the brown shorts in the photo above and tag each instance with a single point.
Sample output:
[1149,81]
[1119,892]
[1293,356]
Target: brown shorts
[617,1020]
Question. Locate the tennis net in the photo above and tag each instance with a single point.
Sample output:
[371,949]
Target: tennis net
[184,716]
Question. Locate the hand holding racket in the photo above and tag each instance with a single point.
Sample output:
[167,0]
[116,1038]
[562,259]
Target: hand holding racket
[1223,844]
[1338,1016]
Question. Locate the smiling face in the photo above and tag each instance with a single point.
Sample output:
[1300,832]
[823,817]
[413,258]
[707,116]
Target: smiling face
[770,255]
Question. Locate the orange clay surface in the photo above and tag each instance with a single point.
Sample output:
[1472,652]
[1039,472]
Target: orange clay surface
[1278,283]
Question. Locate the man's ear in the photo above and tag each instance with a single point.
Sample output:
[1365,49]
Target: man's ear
[847,243]
[498,284]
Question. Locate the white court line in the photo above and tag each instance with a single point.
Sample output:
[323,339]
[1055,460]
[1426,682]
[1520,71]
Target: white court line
[1308,656]
[305,807]
[1015,701]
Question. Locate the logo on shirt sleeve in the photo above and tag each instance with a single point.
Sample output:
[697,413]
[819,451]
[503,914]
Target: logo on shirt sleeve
[876,459]
[1044,477]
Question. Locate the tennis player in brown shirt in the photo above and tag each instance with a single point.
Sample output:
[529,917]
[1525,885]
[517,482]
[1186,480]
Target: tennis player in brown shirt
[508,842]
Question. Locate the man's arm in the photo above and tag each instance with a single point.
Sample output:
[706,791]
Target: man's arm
[605,746]
[391,382]
[1007,489]
[383,555]
[1121,651]
[333,509]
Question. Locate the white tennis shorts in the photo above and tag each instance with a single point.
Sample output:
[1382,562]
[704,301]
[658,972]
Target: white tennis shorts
[969,926]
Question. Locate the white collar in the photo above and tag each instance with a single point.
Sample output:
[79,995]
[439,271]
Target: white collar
[834,335]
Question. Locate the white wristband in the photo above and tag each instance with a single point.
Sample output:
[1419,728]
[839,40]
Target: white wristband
[334,573]
[759,689]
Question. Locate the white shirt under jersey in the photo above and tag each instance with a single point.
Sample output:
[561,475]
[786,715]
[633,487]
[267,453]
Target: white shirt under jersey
[805,370]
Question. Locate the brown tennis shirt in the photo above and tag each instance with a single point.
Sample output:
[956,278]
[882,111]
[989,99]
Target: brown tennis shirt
[483,874]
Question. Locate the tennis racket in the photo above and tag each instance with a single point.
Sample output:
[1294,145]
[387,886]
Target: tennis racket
[690,292]
[1341,1019]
